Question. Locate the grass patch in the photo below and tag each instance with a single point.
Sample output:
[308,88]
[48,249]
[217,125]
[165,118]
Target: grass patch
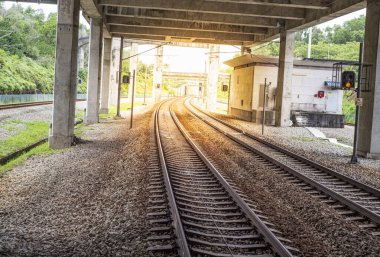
[79,129]
[27,133]
[12,126]
[39,150]
[123,107]
[79,114]
[349,107]
[42,149]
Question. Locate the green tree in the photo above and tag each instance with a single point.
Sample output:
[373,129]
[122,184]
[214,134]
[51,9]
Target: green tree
[27,51]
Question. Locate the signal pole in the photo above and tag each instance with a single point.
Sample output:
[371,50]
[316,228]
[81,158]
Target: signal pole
[354,158]
[120,77]
[133,97]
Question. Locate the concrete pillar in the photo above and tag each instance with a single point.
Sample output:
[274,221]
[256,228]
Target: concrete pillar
[369,127]
[284,81]
[114,71]
[104,103]
[65,81]
[94,74]
[212,78]
[157,74]
[132,66]
[81,57]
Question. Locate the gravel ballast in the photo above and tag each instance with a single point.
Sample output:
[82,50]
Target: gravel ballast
[89,200]
[28,114]
[301,141]
[315,228]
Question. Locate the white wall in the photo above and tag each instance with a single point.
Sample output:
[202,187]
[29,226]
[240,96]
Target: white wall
[260,73]
[305,85]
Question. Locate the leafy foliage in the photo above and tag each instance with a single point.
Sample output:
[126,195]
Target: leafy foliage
[27,51]
[340,42]
[144,76]
[22,74]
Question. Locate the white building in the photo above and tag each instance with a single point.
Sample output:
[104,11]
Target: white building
[311,94]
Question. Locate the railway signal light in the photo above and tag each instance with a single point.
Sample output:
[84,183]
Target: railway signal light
[348,80]
[126,79]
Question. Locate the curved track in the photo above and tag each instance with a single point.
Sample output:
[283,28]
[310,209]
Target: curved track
[356,201]
[211,217]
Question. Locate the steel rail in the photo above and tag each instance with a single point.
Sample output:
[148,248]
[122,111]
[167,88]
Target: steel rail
[351,204]
[270,238]
[27,104]
[21,105]
[183,250]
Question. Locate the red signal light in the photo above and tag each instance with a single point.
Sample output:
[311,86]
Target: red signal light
[348,80]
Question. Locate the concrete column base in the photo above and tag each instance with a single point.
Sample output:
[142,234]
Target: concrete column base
[104,111]
[375,156]
[88,120]
[61,133]
[284,80]
[60,142]
[94,74]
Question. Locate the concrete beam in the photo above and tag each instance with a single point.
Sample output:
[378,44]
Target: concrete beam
[284,81]
[181,33]
[106,65]
[130,36]
[369,126]
[35,1]
[308,4]
[181,44]
[227,19]
[211,7]
[155,39]
[65,80]
[188,25]
[337,9]
[94,74]
[91,9]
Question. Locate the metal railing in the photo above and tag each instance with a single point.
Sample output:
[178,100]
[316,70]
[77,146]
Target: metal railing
[26,98]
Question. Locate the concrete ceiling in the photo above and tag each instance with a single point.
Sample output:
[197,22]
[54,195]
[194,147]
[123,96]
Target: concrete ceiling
[238,22]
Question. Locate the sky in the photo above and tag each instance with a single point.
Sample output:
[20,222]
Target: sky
[187,59]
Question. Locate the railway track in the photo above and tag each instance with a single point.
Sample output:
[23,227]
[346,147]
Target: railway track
[22,105]
[356,201]
[210,216]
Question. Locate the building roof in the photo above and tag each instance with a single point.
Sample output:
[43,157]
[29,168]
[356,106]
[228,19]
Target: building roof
[257,60]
